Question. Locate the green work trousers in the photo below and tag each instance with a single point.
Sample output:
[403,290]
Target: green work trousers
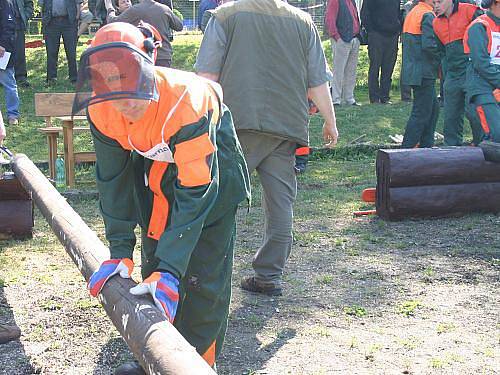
[205,291]
[489,114]
[454,108]
[424,114]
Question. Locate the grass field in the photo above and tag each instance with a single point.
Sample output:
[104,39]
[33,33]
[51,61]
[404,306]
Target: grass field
[361,296]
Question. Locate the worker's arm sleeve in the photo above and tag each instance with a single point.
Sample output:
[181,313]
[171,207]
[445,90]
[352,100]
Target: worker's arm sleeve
[366,14]
[480,57]
[332,10]
[115,183]
[212,49]
[28,8]
[429,38]
[317,68]
[195,192]
[129,16]
[175,22]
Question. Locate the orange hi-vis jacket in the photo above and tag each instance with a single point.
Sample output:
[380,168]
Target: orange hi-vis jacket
[190,156]
[450,31]
[172,199]
[483,72]
[420,59]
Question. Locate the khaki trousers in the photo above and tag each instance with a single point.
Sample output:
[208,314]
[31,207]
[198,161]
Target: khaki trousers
[273,159]
[345,63]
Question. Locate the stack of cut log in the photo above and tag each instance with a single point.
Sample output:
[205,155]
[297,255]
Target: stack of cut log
[436,182]
[16,208]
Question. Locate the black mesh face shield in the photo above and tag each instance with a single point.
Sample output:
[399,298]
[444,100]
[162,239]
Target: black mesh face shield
[114,71]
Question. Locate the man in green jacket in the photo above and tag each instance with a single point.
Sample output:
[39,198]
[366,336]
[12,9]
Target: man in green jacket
[453,18]
[482,43]
[168,160]
[419,70]
[24,11]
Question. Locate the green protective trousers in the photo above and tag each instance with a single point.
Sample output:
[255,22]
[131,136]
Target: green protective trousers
[423,117]
[454,107]
[488,111]
[205,291]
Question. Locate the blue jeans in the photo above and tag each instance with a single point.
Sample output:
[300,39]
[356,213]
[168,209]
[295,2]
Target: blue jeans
[8,81]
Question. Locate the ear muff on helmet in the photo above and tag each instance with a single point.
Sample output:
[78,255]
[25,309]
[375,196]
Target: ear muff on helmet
[486,4]
[152,39]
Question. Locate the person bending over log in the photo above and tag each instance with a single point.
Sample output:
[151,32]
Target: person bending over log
[168,159]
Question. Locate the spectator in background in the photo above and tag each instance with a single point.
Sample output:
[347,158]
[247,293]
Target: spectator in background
[60,18]
[382,21]
[268,58]
[405,89]
[24,11]
[419,70]
[342,23]
[204,6]
[452,20]
[483,71]
[7,44]
[86,18]
[156,14]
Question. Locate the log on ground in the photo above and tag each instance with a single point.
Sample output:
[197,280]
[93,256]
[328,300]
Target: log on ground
[155,343]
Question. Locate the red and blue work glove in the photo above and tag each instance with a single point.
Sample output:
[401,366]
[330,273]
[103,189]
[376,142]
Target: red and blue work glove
[165,291]
[109,268]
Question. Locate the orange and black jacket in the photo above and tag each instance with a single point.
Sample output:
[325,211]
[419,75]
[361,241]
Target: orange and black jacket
[450,33]
[483,77]
[420,53]
[172,202]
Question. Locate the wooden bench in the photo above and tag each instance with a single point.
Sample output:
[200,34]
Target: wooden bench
[57,106]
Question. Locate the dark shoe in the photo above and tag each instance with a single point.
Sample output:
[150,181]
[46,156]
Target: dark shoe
[24,84]
[51,82]
[356,104]
[300,168]
[130,368]
[252,285]
[386,102]
[9,333]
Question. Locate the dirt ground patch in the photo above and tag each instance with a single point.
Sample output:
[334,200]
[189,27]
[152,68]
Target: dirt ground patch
[361,296]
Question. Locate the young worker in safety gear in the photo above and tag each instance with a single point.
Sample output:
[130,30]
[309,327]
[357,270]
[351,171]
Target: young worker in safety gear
[169,160]
[419,70]
[452,20]
[482,43]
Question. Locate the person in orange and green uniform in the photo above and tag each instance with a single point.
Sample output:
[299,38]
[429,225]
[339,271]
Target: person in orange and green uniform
[168,160]
[482,44]
[453,18]
[419,70]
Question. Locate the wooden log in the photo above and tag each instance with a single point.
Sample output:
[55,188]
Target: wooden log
[440,200]
[491,151]
[434,166]
[156,344]
[16,209]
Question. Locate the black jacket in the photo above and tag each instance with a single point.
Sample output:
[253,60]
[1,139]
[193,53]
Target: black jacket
[382,16]
[8,28]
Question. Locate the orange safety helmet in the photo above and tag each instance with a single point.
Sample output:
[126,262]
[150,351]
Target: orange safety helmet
[119,64]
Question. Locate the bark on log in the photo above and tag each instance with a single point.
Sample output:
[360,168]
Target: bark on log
[441,200]
[16,209]
[156,344]
[436,183]
[491,151]
[433,166]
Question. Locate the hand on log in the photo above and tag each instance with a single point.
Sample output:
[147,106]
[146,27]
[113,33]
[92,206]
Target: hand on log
[165,291]
[109,268]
